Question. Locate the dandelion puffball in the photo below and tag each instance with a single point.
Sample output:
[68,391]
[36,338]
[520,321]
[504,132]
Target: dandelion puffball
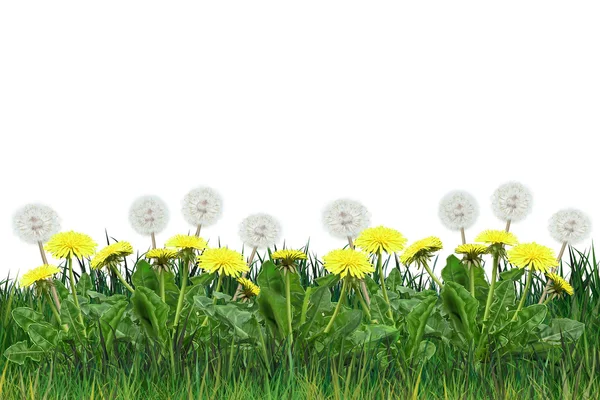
[570,226]
[511,202]
[346,218]
[260,231]
[458,210]
[148,215]
[35,223]
[202,206]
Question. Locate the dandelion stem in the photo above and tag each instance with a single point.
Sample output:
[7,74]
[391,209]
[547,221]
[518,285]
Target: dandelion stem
[219,282]
[338,307]
[524,294]
[490,297]
[74,292]
[507,229]
[547,287]
[239,287]
[53,308]
[184,278]
[382,281]
[161,282]
[42,253]
[472,277]
[288,299]
[430,272]
[153,237]
[462,236]
[363,285]
[198,230]
[122,279]
[362,301]
[55,296]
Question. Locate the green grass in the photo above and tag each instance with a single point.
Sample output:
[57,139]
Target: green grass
[217,370]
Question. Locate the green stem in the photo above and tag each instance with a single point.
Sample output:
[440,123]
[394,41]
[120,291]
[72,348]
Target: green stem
[122,279]
[490,296]
[53,308]
[264,349]
[382,281]
[338,307]
[74,293]
[161,283]
[288,299]
[305,305]
[472,277]
[219,283]
[361,300]
[524,295]
[184,278]
[430,272]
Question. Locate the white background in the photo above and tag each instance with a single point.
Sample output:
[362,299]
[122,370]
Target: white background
[284,107]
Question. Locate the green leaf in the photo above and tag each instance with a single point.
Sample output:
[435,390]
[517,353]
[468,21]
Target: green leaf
[145,276]
[416,322]
[109,321]
[320,304]
[462,310]
[373,334]
[425,351]
[379,310]
[69,314]
[273,307]
[44,335]
[234,318]
[203,279]
[20,351]
[61,289]
[562,329]
[454,271]
[25,317]
[504,298]
[270,278]
[171,290]
[346,322]
[513,274]
[328,280]
[84,284]
[152,313]
[393,279]
[528,319]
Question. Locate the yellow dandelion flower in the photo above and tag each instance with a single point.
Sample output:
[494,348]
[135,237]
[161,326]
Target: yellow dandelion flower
[223,261]
[472,252]
[288,258]
[496,237]
[161,257]
[186,242]
[348,262]
[380,239]
[249,289]
[111,255]
[421,250]
[559,285]
[38,274]
[69,244]
[532,256]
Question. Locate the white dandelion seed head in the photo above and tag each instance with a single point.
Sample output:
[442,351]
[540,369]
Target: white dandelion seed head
[512,201]
[346,218]
[458,210]
[202,206]
[148,214]
[260,231]
[570,225]
[35,223]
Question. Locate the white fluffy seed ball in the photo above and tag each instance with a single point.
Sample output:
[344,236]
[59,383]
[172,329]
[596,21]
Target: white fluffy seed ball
[458,210]
[512,201]
[35,223]
[202,206]
[570,225]
[260,231]
[148,214]
[346,218]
